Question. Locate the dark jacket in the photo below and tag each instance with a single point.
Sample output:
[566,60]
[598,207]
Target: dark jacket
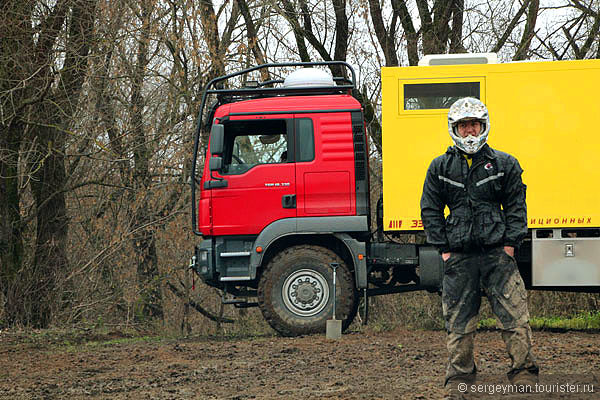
[474,196]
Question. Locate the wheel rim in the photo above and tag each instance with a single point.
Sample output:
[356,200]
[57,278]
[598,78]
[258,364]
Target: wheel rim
[305,292]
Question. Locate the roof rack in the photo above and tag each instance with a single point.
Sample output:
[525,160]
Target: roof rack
[228,95]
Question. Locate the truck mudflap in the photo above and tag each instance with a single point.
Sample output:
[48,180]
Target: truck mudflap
[358,251]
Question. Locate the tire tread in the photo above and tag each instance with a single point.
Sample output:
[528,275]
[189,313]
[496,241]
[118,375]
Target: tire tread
[347,300]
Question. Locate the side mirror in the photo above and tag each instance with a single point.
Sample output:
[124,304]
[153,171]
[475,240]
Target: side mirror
[215,163]
[217,137]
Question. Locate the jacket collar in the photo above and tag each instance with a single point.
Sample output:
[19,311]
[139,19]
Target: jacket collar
[486,151]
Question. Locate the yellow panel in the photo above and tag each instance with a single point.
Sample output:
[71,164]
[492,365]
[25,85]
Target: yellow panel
[547,114]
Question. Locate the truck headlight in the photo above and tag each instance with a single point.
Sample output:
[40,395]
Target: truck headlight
[203,255]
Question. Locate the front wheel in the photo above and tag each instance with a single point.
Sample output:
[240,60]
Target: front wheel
[295,292]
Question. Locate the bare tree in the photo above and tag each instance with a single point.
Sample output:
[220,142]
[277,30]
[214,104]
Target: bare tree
[146,105]
[46,85]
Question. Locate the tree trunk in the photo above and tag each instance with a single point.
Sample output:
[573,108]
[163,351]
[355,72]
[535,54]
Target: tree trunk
[32,293]
[412,36]
[144,241]
[291,15]
[49,179]
[253,38]
[211,36]
[50,259]
[11,239]
[386,39]
[456,34]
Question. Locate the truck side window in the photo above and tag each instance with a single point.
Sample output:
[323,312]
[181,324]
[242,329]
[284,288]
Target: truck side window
[305,139]
[425,96]
[255,142]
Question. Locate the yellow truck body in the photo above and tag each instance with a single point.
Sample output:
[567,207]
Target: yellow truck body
[547,114]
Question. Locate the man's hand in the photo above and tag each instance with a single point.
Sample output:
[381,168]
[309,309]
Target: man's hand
[446,256]
[509,250]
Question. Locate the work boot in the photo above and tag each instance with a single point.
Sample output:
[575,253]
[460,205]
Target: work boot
[456,388]
[451,392]
[524,379]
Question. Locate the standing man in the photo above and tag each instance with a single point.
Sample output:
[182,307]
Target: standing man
[483,189]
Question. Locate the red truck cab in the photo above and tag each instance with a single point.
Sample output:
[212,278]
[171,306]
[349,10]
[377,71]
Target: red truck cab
[283,157]
[284,195]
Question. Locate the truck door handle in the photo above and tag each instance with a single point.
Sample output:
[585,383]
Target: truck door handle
[288,201]
[213,184]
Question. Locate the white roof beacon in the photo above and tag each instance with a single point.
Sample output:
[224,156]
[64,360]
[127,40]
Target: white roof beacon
[308,77]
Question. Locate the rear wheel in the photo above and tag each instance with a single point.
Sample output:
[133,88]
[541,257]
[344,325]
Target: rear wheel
[295,292]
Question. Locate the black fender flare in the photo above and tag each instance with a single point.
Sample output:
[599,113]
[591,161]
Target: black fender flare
[336,226]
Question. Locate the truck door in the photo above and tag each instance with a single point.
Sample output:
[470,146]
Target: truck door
[325,164]
[261,184]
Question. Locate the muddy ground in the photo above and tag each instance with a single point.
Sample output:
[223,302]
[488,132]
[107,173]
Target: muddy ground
[401,364]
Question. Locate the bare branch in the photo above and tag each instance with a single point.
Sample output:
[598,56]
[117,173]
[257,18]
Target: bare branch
[592,36]
[572,43]
[197,306]
[386,39]
[253,38]
[529,31]
[401,9]
[585,9]
[511,27]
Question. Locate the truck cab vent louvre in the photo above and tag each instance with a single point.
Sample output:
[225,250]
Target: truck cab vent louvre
[360,170]
[359,152]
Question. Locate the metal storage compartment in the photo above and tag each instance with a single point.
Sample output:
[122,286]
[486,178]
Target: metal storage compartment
[564,261]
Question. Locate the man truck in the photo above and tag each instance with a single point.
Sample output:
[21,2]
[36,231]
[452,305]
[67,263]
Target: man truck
[284,195]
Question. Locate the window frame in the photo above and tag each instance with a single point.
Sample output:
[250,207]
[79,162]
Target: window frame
[229,143]
[430,111]
[298,143]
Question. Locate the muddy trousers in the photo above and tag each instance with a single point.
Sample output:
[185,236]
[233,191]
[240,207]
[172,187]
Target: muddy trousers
[496,273]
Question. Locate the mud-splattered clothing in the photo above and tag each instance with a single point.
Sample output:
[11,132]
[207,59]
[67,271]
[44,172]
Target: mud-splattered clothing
[487,212]
[495,273]
[474,196]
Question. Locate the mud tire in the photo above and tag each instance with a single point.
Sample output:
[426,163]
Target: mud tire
[308,264]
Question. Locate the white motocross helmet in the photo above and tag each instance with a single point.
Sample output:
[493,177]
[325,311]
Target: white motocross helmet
[466,109]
